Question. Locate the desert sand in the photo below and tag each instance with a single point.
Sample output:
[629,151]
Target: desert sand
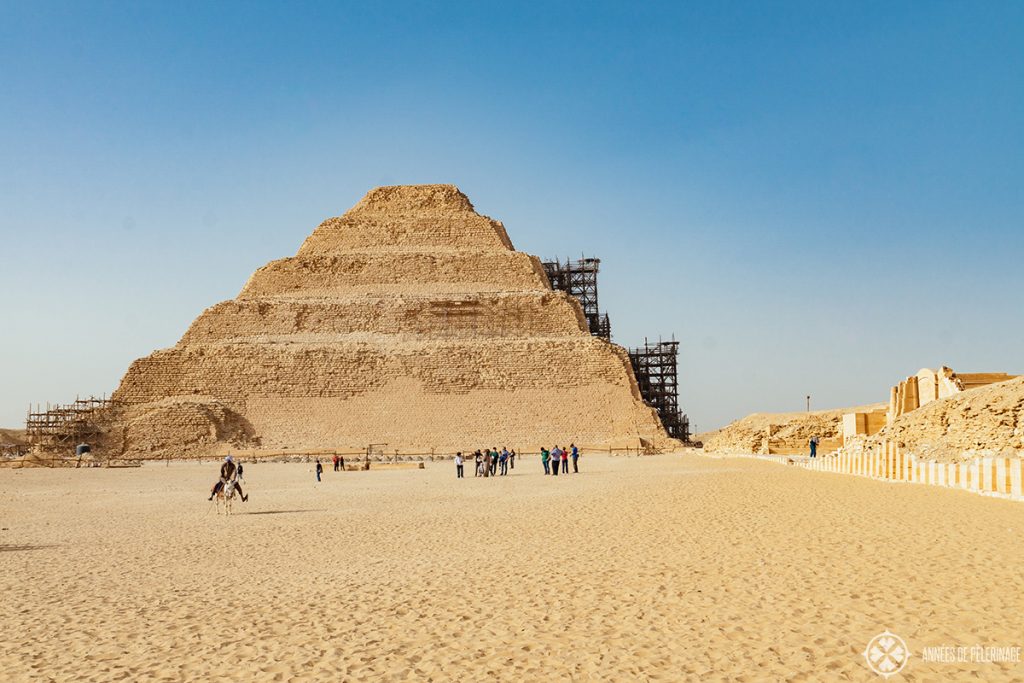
[664,568]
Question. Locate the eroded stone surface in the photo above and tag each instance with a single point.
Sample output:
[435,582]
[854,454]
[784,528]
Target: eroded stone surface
[410,321]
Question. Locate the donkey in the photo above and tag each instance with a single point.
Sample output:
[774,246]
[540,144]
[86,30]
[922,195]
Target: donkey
[225,496]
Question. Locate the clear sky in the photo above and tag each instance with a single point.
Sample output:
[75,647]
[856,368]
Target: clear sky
[815,198]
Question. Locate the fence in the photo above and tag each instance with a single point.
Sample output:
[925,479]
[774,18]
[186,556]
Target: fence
[991,476]
[999,476]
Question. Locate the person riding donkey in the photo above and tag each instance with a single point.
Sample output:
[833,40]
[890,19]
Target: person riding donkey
[228,472]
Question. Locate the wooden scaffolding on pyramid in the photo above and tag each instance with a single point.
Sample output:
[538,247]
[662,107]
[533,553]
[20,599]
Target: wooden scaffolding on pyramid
[65,426]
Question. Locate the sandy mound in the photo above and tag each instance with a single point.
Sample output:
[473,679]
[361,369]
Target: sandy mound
[747,435]
[15,437]
[981,421]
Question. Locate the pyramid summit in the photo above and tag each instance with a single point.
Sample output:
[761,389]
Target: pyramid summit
[410,320]
[437,217]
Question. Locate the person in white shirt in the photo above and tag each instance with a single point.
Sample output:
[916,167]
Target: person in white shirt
[458,465]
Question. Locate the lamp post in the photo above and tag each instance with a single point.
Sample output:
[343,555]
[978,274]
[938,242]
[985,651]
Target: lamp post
[808,403]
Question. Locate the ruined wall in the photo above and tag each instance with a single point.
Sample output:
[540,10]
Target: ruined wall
[178,426]
[932,385]
[863,423]
[781,433]
[986,421]
[409,321]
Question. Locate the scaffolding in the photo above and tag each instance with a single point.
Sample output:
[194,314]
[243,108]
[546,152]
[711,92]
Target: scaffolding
[579,278]
[655,366]
[60,426]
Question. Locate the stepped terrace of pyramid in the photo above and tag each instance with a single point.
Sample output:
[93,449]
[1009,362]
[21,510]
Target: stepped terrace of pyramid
[409,321]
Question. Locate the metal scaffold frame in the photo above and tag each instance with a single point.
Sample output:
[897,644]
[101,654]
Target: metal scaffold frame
[579,278]
[656,368]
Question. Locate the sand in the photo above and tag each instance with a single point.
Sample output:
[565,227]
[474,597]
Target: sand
[665,568]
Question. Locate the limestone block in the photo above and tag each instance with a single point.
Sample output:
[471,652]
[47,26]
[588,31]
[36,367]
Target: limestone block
[409,321]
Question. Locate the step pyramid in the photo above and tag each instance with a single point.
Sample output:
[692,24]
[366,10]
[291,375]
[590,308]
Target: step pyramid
[410,321]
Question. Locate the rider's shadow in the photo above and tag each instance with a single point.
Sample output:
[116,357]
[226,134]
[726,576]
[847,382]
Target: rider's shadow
[14,547]
[279,512]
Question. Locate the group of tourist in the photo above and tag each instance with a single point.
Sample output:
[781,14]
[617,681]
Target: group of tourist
[556,456]
[491,462]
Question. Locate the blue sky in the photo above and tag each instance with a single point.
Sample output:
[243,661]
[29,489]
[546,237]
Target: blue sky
[815,198]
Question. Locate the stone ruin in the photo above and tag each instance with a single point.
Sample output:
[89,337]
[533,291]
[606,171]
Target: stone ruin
[915,392]
[940,414]
[410,321]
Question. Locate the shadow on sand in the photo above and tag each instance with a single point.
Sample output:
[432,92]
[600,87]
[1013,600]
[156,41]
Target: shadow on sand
[12,547]
[278,512]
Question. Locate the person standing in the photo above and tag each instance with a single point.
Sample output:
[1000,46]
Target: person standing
[335,461]
[503,458]
[565,462]
[341,463]
[814,446]
[487,463]
[575,458]
[319,469]
[478,459]
[494,461]
[544,456]
[512,459]
[556,456]
[458,465]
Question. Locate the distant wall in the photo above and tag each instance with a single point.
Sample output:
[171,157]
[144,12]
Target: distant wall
[863,424]
[931,385]
[794,447]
